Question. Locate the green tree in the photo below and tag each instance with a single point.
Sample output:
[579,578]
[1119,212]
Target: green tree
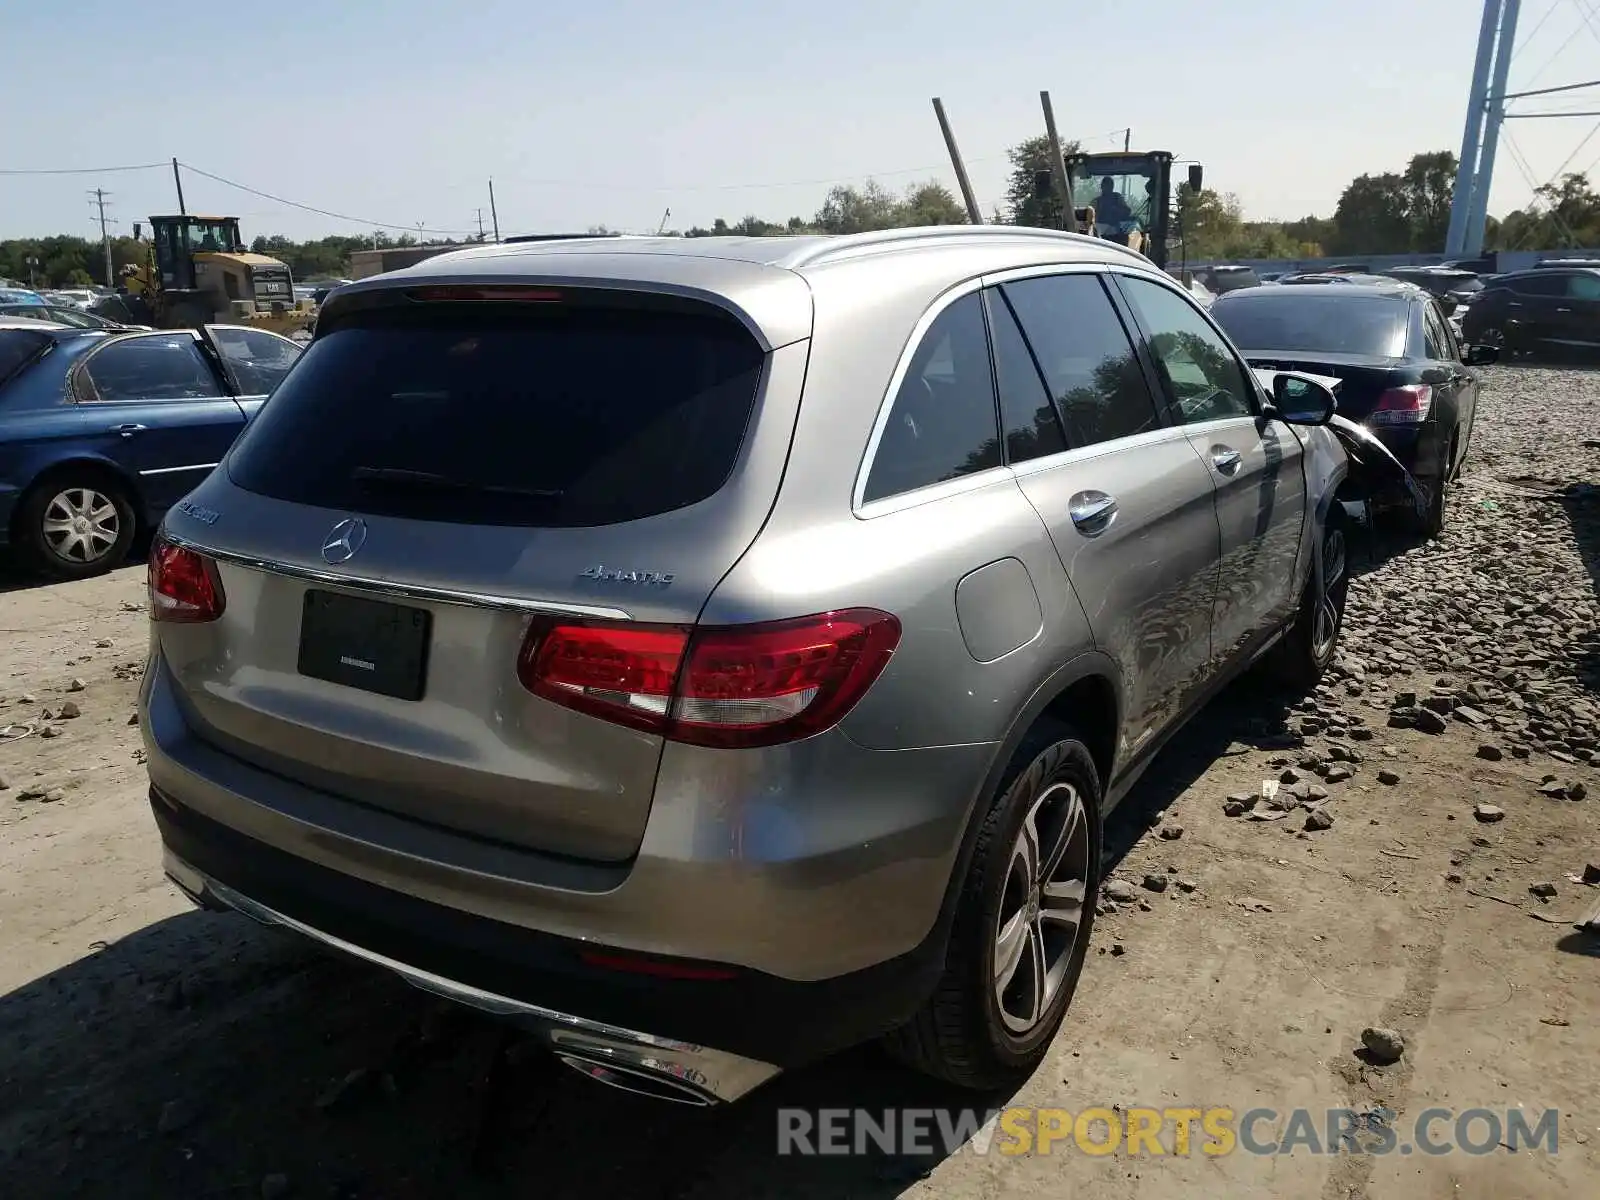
[932,203]
[1022,206]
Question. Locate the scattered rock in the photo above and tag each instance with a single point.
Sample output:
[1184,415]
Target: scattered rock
[1187,885]
[70,711]
[1338,774]
[1452,877]
[1429,721]
[1171,833]
[1543,890]
[1553,788]
[133,718]
[1121,891]
[1383,1045]
[1319,818]
[1488,813]
[1155,883]
[1490,752]
[1117,950]
[1591,873]
[77,685]
[1388,778]
[102,644]
[1577,792]
[51,731]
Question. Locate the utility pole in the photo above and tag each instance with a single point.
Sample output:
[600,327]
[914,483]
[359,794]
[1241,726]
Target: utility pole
[1058,163]
[419,232]
[480,224]
[665,217]
[178,182]
[105,237]
[493,215]
[1127,140]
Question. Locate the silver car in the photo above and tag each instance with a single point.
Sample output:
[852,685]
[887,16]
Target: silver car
[717,653]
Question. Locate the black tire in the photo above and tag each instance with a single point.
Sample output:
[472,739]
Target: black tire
[1307,649]
[1430,522]
[52,500]
[961,1034]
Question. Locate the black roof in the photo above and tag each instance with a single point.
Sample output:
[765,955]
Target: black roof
[1386,288]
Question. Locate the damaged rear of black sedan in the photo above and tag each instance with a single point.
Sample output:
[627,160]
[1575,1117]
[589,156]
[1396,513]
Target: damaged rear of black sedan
[1408,390]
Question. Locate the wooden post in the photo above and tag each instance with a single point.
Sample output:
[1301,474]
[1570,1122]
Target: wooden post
[1058,164]
[973,214]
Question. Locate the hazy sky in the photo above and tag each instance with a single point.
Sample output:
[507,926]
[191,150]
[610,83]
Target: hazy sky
[610,111]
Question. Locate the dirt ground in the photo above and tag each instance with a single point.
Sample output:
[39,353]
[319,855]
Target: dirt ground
[150,1050]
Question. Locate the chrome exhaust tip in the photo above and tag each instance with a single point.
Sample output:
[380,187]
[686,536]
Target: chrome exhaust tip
[652,1084]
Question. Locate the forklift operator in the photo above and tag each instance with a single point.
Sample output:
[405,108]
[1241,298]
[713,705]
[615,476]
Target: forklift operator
[1110,207]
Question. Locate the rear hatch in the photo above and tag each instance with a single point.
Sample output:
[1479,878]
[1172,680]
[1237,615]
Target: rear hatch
[436,475]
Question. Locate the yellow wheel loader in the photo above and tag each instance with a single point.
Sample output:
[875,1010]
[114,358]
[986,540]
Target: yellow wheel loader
[1124,198]
[197,271]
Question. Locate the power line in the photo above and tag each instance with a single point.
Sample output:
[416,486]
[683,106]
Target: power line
[79,170]
[321,212]
[1560,50]
[1548,13]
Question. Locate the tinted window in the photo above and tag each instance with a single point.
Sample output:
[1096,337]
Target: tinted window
[159,367]
[1310,321]
[532,415]
[258,360]
[1203,376]
[18,347]
[1583,287]
[1435,342]
[1538,285]
[1031,426]
[1086,356]
[942,424]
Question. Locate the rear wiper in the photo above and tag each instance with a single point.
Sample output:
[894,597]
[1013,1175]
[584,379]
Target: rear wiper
[428,479]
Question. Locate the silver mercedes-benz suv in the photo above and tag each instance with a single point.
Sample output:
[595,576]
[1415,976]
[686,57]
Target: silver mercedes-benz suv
[718,652]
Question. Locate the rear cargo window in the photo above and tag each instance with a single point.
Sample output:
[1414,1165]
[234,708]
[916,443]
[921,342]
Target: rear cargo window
[537,415]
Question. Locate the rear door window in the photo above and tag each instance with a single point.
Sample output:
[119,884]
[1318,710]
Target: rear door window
[942,424]
[1032,428]
[18,348]
[154,367]
[537,415]
[257,360]
[1086,356]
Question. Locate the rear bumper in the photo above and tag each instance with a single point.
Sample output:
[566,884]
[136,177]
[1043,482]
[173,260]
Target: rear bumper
[828,943]
[717,1037]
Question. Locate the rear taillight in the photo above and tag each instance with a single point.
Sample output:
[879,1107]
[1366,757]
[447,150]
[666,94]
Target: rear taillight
[184,585]
[1407,405]
[729,686]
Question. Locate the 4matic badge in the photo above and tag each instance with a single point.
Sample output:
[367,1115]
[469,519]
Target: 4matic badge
[604,574]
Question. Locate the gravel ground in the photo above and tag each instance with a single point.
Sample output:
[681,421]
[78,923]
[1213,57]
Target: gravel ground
[1298,892]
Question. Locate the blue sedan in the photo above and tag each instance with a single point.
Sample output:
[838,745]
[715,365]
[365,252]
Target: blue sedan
[102,432]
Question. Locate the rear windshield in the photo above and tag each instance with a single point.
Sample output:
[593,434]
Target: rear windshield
[537,415]
[19,347]
[1233,280]
[1326,321]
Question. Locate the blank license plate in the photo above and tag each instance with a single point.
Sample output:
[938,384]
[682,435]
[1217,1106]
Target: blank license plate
[366,644]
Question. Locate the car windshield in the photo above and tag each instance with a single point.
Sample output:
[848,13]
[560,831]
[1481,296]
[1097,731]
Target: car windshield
[531,415]
[1118,191]
[1315,320]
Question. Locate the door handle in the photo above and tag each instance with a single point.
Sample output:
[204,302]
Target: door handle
[1092,512]
[129,429]
[1226,459]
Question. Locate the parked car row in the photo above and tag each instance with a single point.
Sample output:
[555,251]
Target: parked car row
[102,430]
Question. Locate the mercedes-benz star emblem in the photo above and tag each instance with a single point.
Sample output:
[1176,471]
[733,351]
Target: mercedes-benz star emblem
[341,544]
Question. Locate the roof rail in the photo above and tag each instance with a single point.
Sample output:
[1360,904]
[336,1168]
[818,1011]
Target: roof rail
[823,250]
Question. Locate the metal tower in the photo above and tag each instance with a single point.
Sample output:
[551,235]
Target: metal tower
[1486,109]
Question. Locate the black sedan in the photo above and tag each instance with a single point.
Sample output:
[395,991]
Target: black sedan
[1403,373]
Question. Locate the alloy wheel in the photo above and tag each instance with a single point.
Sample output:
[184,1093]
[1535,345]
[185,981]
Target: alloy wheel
[1041,915]
[81,525]
[1326,627]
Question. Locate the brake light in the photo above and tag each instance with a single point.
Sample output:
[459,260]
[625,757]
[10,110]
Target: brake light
[727,686]
[501,292]
[1407,405]
[184,585]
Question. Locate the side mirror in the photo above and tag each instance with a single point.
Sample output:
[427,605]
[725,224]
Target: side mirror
[1197,177]
[1297,400]
[1481,356]
[138,229]
[1447,304]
